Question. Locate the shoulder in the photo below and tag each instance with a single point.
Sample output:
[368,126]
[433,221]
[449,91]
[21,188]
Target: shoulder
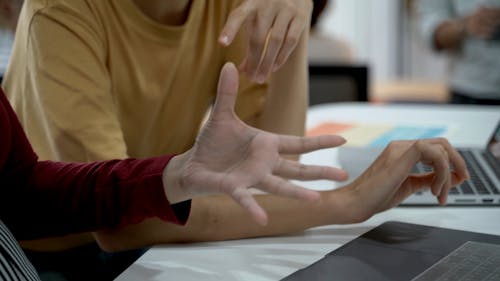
[34,7]
[77,16]
[63,11]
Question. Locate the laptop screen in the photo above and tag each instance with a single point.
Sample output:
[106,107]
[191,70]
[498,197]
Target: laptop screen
[494,144]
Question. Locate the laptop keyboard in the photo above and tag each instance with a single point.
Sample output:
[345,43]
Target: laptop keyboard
[479,182]
[493,163]
[473,261]
[478,177]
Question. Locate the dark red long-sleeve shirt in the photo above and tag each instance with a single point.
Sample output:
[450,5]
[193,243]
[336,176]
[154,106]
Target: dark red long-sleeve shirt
[45,198]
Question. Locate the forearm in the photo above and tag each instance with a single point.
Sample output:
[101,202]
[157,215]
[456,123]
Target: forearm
[217,218]
[87,196]
[226,220]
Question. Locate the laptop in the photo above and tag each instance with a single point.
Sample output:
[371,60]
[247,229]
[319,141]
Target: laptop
[403,251]
[483,188]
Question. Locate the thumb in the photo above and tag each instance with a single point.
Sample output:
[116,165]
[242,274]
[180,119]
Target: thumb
[227,90]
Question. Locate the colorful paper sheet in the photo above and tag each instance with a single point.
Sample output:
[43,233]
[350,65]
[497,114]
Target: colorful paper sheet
[364,134]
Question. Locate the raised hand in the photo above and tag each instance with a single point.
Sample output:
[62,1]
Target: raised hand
[275,27]
[230,157]
[389,180]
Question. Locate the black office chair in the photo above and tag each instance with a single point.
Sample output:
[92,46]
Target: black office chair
[338,83]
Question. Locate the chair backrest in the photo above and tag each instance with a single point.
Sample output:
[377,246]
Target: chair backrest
[338,83]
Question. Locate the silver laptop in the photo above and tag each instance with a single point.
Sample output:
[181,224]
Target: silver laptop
[483,163]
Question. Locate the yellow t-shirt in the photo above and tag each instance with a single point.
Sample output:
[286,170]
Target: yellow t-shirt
[93,79]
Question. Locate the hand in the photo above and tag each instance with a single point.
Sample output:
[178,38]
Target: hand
[275,27]
[484,23]
[230,157]
[389,180]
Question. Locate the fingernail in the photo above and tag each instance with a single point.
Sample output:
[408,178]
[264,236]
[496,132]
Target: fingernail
[224,40]
[261,79]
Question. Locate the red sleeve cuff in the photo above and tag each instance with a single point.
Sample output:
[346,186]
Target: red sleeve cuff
[153,200]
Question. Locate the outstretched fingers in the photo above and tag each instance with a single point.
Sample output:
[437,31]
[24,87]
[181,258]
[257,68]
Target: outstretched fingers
[238,191]
[281,187]
[275,41]
[243,197]
[299,145]
[295,170]
[292,39]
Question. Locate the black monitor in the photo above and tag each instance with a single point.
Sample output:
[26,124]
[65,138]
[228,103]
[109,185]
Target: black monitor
[337,83]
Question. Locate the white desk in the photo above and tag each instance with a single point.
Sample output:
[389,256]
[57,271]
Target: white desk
[276,257]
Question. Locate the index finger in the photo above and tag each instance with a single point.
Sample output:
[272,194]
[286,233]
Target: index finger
[299,145]
[234,22]
[458,162]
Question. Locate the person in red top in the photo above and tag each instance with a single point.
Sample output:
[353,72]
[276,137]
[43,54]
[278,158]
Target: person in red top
[45,198]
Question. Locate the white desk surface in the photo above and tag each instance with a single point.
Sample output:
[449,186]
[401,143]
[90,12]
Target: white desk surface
[276,257]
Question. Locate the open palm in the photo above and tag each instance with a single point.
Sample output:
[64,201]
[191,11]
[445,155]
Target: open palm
[230,157]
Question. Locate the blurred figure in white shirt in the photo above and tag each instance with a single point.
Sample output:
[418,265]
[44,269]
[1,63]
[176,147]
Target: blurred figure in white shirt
[470,32]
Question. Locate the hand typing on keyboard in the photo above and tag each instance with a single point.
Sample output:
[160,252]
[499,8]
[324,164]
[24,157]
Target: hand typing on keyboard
[390,179]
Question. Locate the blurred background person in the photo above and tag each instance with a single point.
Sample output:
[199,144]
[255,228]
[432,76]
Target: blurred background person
[9,12]
[324,47]
[470,32]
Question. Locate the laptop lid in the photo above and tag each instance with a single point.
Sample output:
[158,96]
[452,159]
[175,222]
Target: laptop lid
[391,251]
[493,149]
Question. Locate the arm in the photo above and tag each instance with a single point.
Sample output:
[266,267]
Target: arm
[53,198]
[216,218]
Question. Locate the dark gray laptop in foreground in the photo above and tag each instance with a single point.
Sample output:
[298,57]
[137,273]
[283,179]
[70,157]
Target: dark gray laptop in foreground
[397,251]
[484,166]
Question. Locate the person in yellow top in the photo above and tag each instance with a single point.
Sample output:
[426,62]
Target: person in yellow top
[93,80]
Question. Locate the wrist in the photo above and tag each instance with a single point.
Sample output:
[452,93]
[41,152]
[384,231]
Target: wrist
[172,179]
[339,206]
[353,207]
